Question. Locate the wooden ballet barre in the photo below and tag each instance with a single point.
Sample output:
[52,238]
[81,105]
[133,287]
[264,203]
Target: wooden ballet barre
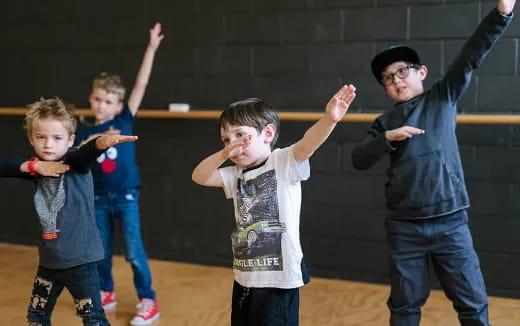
[475,119]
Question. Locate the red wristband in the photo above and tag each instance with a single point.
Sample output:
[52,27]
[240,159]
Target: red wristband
[32,165]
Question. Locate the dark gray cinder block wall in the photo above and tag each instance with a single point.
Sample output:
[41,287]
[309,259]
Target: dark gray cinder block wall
[294,54]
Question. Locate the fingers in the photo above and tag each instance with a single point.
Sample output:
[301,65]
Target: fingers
[241,142]
[403,133]
[62,169]
[346,94]
[236,147]
[413,130]
[125,139]
[155,32]
[52,169]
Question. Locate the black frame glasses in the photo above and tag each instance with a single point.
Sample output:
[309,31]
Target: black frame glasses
[402,73]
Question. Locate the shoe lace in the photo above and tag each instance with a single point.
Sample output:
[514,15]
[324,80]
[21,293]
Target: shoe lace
[145,308]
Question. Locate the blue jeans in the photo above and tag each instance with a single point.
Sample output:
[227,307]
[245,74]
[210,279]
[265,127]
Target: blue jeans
[83,284]
[445,242]
[123,208]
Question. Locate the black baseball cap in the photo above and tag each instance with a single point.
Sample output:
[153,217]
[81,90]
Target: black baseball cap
[392,54]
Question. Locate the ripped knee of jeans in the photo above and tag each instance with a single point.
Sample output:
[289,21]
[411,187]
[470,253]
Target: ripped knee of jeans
[40,293]
[84,307]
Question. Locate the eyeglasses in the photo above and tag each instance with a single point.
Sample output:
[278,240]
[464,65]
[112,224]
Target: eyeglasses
[402,73]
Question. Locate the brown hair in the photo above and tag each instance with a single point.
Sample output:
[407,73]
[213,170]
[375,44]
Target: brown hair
[251,112]
[53,108]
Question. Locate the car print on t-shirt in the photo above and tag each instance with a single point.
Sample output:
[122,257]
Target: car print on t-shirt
[257,238]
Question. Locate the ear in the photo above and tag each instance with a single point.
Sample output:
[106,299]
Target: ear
[71,140]
[269,132]
[120,106]
[423,72]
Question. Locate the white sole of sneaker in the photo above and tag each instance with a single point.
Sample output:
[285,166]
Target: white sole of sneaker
[110,306]
[143,322]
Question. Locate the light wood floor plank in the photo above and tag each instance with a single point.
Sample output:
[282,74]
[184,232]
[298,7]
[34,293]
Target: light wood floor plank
[194,295]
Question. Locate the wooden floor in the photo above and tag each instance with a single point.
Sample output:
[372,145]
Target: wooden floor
[196,295]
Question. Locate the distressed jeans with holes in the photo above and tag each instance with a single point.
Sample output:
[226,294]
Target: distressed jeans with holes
[122,209]
[83,284]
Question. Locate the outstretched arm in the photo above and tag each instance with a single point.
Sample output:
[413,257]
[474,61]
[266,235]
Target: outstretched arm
[82,159]
[110,131]
[137,94]
[320,131]
[206,172]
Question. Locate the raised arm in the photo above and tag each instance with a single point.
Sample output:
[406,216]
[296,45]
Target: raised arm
[476,48]
[320,131]
[143,76]
[206,172]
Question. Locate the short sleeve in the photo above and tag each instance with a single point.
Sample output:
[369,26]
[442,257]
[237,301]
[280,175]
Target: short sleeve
[229,177]
[126,114]
[288,168]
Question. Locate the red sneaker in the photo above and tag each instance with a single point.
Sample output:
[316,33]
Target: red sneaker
[108,299]
[147,313]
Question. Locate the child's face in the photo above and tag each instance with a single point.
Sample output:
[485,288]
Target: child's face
[403,89]
[258,147]
[104,105]
[50,139]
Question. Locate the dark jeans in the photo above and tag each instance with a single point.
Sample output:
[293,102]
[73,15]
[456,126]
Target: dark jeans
[446,243]
[123,208]
[264,306]
[83,284]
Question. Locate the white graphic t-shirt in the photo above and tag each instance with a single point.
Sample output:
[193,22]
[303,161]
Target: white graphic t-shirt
[266,241]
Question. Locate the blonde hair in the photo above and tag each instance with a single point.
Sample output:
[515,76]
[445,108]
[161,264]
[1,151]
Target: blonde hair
[53,108]
[111,83]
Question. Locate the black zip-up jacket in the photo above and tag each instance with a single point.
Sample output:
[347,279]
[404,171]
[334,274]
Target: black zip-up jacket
[425,177]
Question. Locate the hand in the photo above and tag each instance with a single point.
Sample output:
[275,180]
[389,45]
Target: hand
[505,7]
[155,36]
[403,133]
[340,102]
[236,147]
[51,169]
[107,140]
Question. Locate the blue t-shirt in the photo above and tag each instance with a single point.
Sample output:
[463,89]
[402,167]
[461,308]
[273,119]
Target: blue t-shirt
[116,169]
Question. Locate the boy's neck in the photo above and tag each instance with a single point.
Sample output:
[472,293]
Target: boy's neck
[98,122]
[255,165]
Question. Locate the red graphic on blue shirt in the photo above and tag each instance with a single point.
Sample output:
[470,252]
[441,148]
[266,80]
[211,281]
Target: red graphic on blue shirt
[107,160]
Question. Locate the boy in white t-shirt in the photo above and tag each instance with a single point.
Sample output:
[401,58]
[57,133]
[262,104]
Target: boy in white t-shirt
[266,193]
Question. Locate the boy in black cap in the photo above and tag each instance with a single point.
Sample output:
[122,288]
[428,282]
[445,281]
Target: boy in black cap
[425,194]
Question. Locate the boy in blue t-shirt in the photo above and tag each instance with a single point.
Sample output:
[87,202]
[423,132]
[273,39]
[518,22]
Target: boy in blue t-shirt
[117,181]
